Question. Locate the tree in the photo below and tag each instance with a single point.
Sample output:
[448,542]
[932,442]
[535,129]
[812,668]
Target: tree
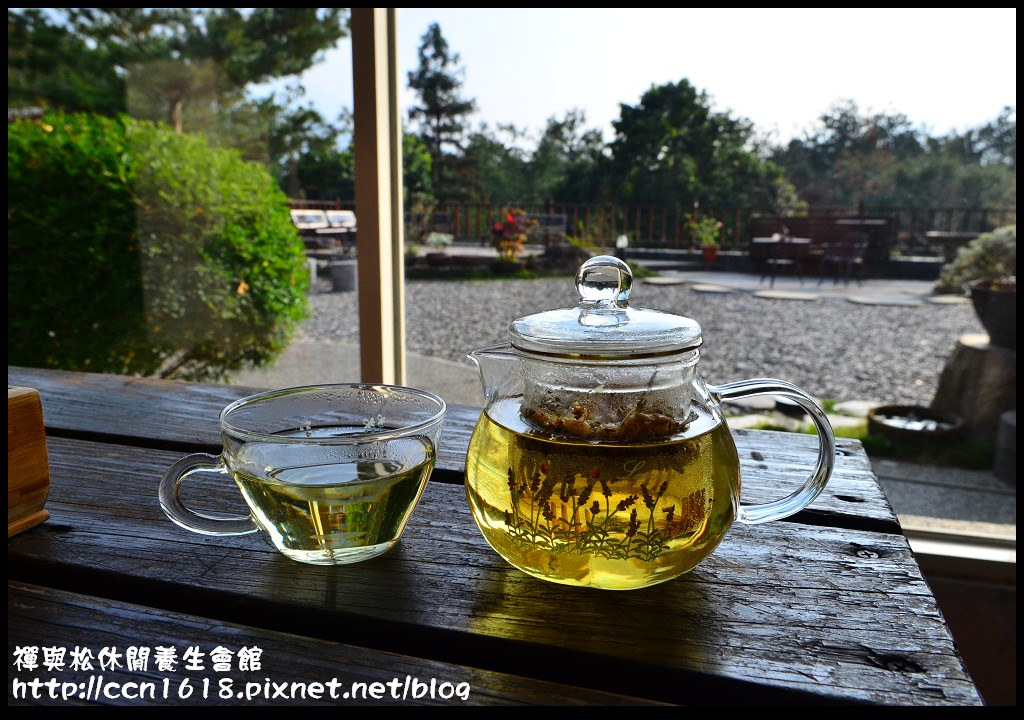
[303,149]
[881,160]
[494,170]
[565,151]
[417,169]
[48,65]
[851,158]
[998,140]
[673,149]
[215,47]
[441,113]
[503,171]
[994,143]
[325,175]
[190,68]
[168,58]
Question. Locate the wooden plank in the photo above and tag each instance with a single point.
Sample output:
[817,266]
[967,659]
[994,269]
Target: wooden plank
[43,617]
[28,474]
[183,416]
[157,412]
[780,612]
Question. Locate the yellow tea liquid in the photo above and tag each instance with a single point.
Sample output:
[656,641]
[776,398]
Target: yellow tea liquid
[608,515]
[326,505]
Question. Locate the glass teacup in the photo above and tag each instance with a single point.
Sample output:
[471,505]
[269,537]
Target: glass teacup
[331,473]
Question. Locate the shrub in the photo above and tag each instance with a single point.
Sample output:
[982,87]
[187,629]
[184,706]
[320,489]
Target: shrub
[439,241]
[136,250]
[989,256]
[704,231]
[509,236]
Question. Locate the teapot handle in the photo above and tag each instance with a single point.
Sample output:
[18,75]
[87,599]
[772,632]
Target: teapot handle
[812,487]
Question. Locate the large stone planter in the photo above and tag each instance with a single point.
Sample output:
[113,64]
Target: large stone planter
[996,307]
[978,383]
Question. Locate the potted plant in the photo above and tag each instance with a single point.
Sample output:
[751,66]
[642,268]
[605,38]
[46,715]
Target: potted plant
[509,237]
[412,253]
[995,303]
[437,242]
[705,233]
[987,270]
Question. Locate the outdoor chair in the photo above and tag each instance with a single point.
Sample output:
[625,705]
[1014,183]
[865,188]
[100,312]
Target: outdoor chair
[844,259]
[784,254]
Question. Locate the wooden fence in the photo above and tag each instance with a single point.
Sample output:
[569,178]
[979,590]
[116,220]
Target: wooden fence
[662,226]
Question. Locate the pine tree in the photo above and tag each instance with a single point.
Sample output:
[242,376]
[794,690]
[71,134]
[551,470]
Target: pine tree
[441,113]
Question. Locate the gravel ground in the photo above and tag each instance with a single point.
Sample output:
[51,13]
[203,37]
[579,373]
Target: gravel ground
[832,348]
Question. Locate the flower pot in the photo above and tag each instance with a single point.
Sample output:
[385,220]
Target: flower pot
[996,308]
[709,253]
[913,424]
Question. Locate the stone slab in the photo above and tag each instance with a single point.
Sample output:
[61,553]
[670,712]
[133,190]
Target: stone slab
[660,280]
[866,300]
[949,300]
[785,295]
[705,288]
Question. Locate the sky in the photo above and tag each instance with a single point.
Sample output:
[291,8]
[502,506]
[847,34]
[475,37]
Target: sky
[945,69]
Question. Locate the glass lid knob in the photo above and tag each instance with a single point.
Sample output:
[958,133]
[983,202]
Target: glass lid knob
[604,280]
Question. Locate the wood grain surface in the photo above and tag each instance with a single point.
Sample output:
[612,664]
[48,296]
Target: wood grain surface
[39,617]
[28,473]
[183,417]
[783,612]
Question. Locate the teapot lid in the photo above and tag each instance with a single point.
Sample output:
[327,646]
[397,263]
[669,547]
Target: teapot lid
[603,325]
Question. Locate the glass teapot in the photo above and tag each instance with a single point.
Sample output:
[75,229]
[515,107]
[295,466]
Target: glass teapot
[601,457]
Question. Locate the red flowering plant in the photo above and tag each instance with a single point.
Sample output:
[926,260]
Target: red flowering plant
[705,230]
[509,236]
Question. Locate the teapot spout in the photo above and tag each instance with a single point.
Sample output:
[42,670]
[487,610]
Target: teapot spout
[497,365]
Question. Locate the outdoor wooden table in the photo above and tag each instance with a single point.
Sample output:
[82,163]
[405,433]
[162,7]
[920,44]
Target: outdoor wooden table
[828,606]
[951,241]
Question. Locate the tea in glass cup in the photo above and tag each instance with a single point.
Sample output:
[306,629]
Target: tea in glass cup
[331,473]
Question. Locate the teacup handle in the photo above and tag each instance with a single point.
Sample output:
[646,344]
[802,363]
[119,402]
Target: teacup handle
[812,487]
[170,485]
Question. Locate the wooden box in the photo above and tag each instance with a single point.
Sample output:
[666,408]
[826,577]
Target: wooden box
[28,472]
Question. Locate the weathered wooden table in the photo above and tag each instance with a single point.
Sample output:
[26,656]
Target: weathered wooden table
[826,607]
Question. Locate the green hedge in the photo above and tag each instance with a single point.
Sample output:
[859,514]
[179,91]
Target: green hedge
[136,250]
